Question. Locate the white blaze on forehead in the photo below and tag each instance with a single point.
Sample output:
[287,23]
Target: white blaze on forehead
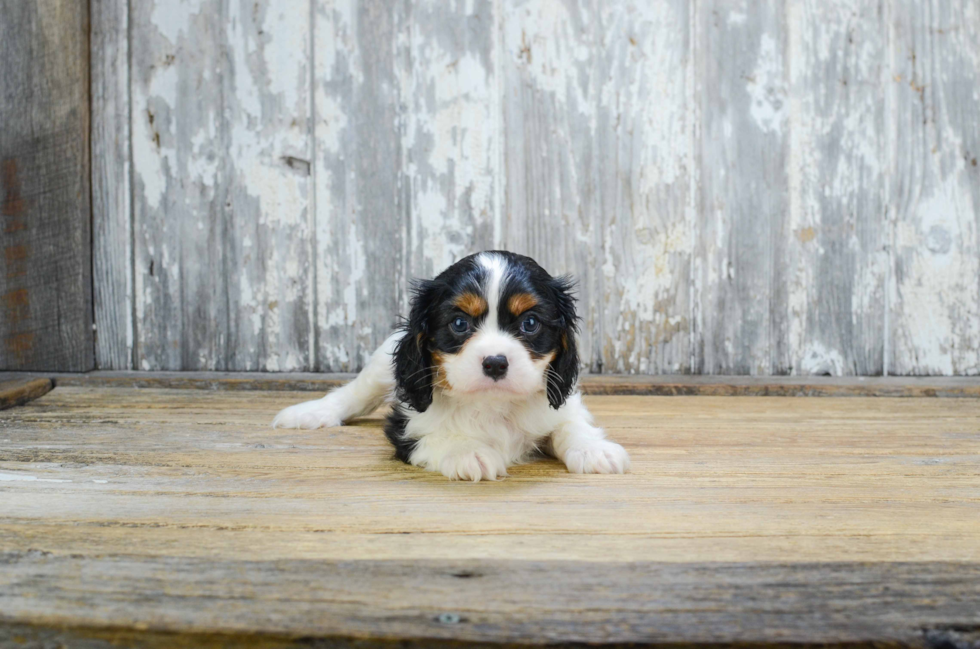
[496,267]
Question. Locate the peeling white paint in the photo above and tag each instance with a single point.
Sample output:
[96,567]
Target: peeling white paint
[819,360]
[939,309]
[571,131]
[767,87]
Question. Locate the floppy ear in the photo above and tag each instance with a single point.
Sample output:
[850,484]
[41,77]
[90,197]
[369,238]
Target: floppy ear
[564,367]
[413,358]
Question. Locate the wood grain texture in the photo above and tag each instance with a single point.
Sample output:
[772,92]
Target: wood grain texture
[450,137]
[112,233]
[438,603]
[749,521]
[645,130]
[713,479]
[221,157]
[362,212]
[744,197]
[45,218]
[547,79]
[831,253]
[935,195]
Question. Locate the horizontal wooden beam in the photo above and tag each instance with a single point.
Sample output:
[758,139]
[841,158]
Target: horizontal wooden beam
[593,384]
[416,602]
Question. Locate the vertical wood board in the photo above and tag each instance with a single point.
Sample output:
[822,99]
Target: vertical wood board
[935,196]
[744,185]
[646,163]
[831,253]
[45,217]
[112,236]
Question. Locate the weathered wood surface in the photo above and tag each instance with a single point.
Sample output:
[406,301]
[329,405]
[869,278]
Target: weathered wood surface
[714,478]
[360,192]
[221,142]
[832,246]
[935,191]
[438,602]
[749,521]
[112,213]
[781,189]
[593,384]
[744,197]
[45,217]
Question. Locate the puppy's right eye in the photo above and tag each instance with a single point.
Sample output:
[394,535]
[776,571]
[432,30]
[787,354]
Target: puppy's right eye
[459,325]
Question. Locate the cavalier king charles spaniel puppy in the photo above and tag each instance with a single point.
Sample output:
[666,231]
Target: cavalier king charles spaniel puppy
[482,376]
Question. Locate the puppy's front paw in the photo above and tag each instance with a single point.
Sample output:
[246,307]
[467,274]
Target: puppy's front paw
[597,456]
[310,414]
[480,464]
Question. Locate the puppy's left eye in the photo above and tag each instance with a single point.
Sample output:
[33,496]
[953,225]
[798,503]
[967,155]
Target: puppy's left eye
[459,325]
[530,325]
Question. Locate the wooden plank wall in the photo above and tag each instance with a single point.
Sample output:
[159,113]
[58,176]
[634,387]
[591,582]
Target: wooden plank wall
[742,188]
[45,236]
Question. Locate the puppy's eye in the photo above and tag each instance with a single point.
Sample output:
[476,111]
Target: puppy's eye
[530,325]
[459,325]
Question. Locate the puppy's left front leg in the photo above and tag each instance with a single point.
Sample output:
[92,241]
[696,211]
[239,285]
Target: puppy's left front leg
[583,447]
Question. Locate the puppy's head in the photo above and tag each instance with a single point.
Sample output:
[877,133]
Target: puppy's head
[494,325]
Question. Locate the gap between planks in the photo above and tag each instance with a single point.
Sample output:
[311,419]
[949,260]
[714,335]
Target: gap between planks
[591,384]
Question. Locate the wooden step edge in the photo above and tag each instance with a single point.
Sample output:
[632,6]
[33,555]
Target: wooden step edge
[591,384]
[17,392]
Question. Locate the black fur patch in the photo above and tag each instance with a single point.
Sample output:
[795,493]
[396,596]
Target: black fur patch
[395,432]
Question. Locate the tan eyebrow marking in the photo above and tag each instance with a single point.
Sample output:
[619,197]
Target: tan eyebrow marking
[471,304]
[521,302]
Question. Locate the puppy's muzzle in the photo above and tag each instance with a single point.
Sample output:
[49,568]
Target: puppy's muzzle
[495,367]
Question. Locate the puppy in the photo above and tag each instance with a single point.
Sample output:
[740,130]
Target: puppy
[482,376]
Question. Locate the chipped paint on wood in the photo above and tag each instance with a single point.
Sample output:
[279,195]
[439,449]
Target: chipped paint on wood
[448,139]
[361,204]
[548,52]
[775,188]
[831,255]
[645,162]
[220,96]
[743,155]
[935,197]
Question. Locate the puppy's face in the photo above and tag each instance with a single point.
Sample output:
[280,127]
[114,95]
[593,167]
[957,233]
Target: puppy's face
[494,325]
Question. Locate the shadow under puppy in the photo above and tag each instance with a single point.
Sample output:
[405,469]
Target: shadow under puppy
[482,375]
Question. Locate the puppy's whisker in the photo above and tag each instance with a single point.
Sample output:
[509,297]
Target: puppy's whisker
[554,374]
[430,370]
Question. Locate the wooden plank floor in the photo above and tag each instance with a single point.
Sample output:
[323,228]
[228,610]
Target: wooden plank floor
[745,520]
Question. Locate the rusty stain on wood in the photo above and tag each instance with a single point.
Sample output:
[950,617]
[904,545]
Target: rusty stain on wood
[45,269]
[13,204]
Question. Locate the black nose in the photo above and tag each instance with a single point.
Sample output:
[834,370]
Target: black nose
[495,367]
